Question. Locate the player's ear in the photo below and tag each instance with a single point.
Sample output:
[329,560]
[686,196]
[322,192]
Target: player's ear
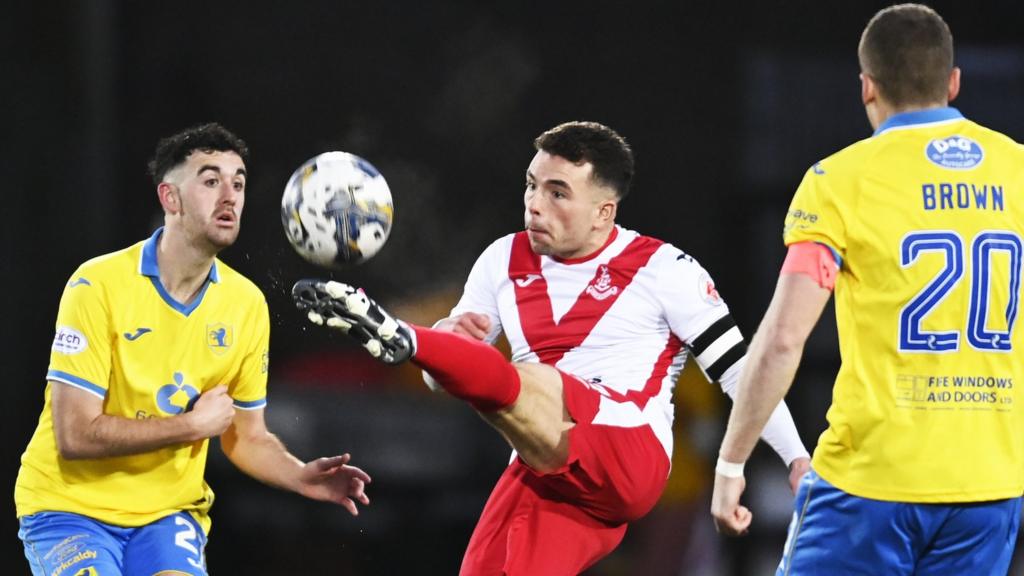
[954,84]
[868,89]
[608,210]
[169,197]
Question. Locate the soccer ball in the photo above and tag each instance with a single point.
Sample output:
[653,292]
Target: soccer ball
[337,210]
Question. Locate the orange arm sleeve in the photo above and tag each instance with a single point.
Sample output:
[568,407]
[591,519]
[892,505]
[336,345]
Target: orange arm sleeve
[814,260]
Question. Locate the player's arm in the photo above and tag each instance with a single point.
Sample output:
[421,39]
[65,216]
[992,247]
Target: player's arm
[260,454]
[84,431]
[779,432]
[476,313]
[803,289]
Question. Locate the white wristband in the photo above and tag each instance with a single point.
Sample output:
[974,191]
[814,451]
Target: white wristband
[729,469]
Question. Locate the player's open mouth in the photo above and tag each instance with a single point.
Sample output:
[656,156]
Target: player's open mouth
[225,218]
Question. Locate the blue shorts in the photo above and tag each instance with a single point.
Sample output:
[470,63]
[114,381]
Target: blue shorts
[833,533]
[64,543]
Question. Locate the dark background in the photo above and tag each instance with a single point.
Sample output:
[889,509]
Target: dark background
[725,104]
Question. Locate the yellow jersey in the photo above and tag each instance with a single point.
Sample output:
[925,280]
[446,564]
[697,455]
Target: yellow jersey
[122,337]
[925,220]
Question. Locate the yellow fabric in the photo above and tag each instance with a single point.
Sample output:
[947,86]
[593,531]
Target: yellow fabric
[119,338]
[909,421]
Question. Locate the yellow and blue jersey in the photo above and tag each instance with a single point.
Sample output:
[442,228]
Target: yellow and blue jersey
[121,337]
[926,218]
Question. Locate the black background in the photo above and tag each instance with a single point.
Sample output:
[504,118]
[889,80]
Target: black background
[725,104]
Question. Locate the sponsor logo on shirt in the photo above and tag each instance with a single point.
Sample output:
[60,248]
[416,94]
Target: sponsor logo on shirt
[954,152]
[601,286]
[177,397]
[80,281]
[69,341]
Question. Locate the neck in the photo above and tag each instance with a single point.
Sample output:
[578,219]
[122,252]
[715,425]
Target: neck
[879,111]
[184,267]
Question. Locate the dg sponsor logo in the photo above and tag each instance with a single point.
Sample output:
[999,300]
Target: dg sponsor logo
[954,152]
[69,341]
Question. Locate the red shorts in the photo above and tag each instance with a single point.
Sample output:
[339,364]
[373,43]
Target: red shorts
[562,522]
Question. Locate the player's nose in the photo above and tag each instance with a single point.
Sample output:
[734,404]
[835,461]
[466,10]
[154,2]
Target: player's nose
[228,193]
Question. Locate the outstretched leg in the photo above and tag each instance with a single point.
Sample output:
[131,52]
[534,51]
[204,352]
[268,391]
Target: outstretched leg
[523,402]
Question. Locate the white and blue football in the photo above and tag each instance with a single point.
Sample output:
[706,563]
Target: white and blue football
[337,210]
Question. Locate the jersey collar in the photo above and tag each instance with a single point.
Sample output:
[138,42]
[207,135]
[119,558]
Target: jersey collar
[580,259]
[148,267]
[918,118]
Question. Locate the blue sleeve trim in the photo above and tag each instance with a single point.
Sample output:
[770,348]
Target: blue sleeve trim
[835,254]
[251,405]
[72,380]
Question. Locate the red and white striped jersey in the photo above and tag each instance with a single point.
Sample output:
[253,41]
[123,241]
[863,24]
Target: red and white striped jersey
[623,319]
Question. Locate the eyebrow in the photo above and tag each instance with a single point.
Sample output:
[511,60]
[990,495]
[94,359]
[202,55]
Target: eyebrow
[551,181]
[205,167]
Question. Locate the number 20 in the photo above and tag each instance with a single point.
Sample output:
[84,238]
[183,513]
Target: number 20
[911,337]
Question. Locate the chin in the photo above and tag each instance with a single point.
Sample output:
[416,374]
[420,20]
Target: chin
[222,239]
[541,249]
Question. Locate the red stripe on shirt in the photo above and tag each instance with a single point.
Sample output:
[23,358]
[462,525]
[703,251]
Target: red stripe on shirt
[551,340]
[653,386]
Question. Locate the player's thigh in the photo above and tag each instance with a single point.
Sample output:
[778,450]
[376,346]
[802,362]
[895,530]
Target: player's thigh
[540,398]
[976,538]
[557,538]
[836,533]
[536,424]
[172,545]
[62,543]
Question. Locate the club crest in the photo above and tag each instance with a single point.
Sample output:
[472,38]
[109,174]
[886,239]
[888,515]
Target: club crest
[601,286]
[219,337]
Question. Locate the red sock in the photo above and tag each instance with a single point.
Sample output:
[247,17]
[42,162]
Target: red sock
[467,369]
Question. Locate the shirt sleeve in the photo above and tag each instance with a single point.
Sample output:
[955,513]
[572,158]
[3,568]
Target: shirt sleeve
[80,354]
[697,314]
[480,293]
[249,389]
[780,430]
[699,317]
[816,214]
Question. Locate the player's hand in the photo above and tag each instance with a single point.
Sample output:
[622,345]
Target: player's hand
[797,469]
[331,479]
[212,413]
[472,324]
[731,518]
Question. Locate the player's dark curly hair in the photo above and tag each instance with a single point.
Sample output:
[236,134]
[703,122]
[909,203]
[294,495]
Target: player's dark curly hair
[173,150]
[581,142]
[907,50]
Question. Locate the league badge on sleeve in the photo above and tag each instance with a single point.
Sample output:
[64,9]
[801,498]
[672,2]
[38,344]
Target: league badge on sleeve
[708,292]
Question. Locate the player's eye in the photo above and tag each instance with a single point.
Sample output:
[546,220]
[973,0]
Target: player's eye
[239,186]
[211,182]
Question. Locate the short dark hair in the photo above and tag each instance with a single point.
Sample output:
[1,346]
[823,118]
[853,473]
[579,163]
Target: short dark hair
[581,142]
[173,150]
[907,50]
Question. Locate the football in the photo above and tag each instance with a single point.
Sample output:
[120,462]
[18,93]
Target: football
[337,210]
